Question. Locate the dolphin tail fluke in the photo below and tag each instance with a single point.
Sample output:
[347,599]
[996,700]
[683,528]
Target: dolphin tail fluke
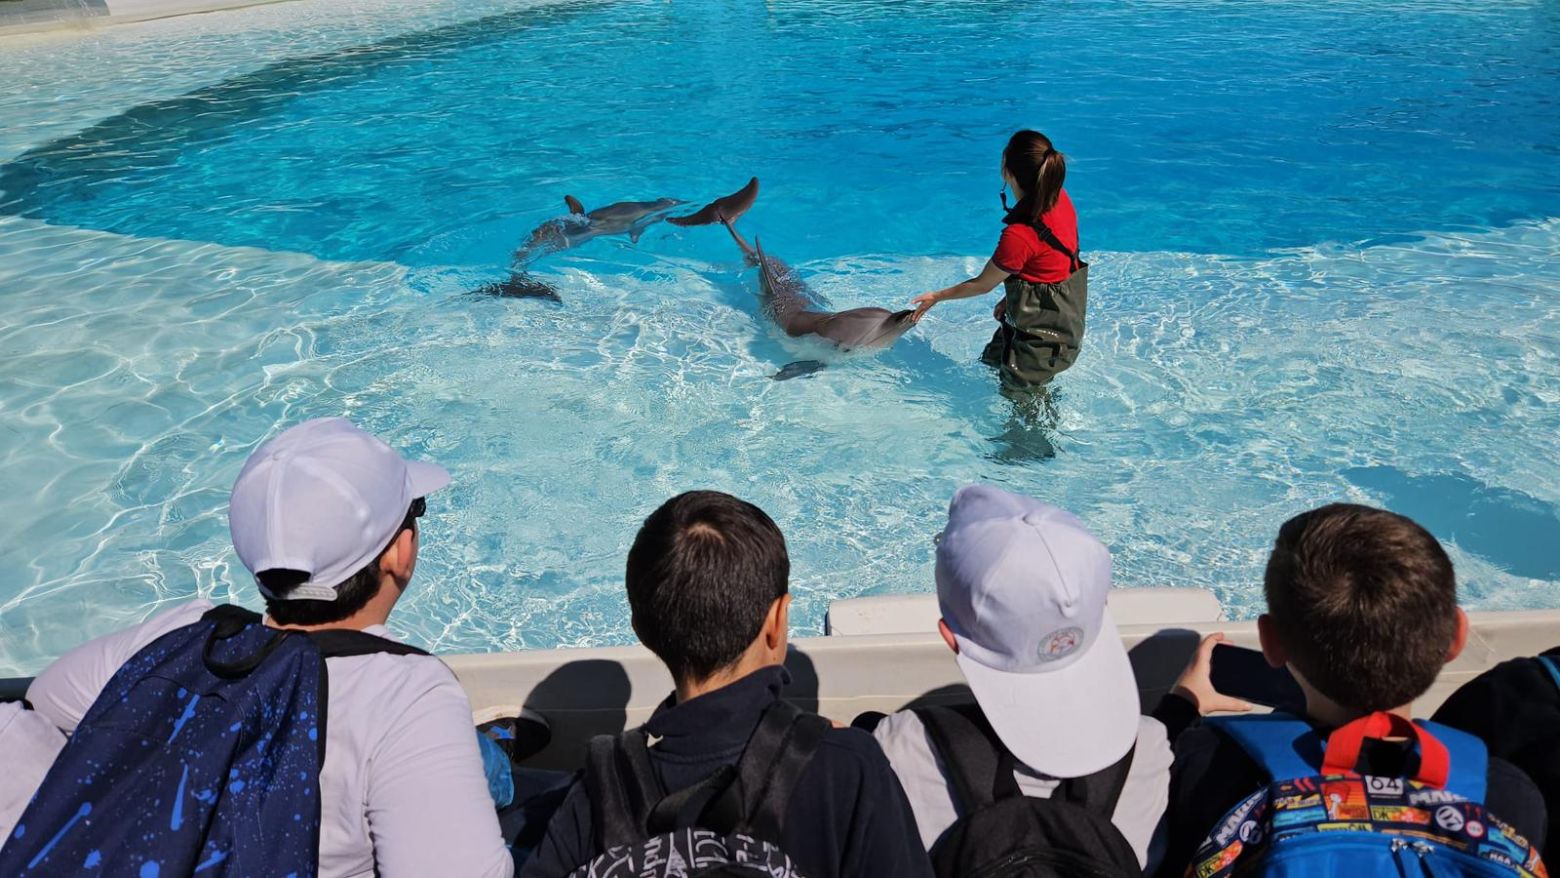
[721,210]
[575,207]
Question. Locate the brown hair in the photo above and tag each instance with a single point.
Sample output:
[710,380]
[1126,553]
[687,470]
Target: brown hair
[1039,168]
[1364,602]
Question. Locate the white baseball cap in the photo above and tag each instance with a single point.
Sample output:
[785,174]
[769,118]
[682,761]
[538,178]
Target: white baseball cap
[324,498]
[1022,585]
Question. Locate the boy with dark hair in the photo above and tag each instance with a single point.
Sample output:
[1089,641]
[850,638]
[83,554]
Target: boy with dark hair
[325,516]
[1362,609]
[707,584]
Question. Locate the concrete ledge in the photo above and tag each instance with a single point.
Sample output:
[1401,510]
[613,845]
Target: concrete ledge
[33,16]
[586,692]
[918,613]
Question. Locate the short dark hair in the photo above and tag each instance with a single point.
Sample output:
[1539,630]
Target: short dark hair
[1365,604]
[351,596]
[702,574]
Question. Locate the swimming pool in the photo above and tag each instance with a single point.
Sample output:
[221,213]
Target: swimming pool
[1325,245]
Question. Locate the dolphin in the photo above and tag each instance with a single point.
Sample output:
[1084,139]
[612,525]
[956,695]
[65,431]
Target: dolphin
[624,217]
[787,300]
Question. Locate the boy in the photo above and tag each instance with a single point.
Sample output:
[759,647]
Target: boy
[707,586]
[1022,588]
[1362,609]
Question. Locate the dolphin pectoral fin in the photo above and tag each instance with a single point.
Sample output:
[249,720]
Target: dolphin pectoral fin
[574,204]
[634,234]
[798,369]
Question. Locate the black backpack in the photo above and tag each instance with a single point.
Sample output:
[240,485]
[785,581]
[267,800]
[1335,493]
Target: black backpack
[1003,832]
[730,823]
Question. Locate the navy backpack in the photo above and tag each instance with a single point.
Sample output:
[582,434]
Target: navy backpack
[200,757]
[1319,817]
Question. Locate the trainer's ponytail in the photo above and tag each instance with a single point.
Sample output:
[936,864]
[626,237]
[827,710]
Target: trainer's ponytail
[1040,168]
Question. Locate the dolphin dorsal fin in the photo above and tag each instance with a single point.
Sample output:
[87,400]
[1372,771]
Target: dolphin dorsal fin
[574,204]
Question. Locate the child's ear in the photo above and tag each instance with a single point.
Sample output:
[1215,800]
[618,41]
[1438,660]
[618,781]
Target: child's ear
[777,624]
[1272,648]
[1460,639]
[947,636]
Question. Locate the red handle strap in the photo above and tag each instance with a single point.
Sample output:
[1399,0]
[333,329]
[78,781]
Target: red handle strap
[1344,745]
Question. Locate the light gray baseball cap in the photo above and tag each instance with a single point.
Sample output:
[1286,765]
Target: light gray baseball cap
[325,498]
[1022,585]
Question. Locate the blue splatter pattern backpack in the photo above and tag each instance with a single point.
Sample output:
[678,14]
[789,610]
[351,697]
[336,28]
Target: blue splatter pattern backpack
[1319,817]
[200,757]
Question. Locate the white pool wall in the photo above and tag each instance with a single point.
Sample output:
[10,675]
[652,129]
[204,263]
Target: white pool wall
[34,16]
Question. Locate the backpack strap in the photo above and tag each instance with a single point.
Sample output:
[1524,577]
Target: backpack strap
[331,642]
[341,642]
[1470,760]
[622,787]
[1099,792]
[1287,747]
[981,772]
[229,620]
[610,818]
[1549,665]
[1283,745]
[781,748]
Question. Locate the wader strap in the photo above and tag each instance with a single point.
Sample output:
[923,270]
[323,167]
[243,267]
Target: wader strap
[1048,236]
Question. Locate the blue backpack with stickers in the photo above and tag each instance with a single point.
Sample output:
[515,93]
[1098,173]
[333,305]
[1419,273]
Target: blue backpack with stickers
[1319,817]
[201,757]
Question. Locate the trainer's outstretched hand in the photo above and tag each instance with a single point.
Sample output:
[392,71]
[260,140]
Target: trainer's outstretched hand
[923,303]
[1196,682]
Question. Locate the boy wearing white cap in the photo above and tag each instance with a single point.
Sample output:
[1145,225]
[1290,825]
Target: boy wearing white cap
[325,517]
[1022,588]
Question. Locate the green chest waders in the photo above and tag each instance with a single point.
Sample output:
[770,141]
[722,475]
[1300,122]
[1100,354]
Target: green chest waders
[1043,328]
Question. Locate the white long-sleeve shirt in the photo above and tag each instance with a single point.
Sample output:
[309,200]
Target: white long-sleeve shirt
[402,791]
[28,745]
[925,778]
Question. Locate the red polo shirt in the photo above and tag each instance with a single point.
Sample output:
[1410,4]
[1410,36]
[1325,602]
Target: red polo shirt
[1020,250]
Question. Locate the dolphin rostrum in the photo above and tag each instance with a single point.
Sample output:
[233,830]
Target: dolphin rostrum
[787,300]
[623,217]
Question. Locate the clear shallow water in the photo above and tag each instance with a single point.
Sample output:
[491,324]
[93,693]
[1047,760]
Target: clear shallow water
[258,240]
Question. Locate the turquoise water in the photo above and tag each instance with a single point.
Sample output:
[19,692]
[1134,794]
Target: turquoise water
[1325,245]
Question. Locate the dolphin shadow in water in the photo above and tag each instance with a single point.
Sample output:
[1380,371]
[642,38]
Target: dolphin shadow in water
[520,285]
[787,301]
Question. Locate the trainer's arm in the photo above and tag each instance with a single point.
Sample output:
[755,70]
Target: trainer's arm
[979,285]
[429,811]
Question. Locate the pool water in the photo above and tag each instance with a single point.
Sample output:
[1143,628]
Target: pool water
[1324,239]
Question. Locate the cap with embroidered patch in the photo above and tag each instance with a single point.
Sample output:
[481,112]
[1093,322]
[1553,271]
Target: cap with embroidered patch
[324,498]
[1022,586]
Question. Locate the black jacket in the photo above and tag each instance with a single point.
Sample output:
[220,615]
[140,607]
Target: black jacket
[848,815]
[1515,708]
[1212,774]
